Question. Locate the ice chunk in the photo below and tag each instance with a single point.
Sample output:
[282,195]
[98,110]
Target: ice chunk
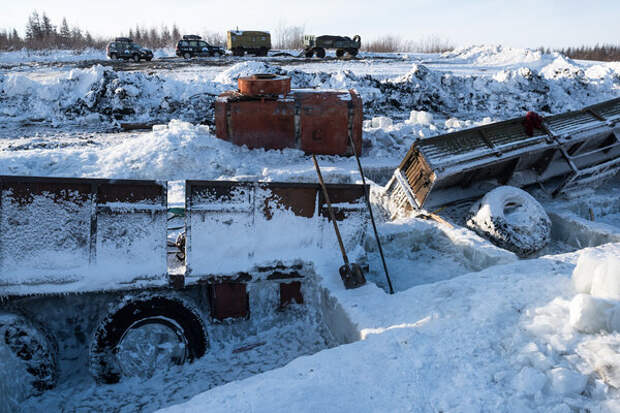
[530,381]
[606,277]
[420,118]
[382,122]
[453,123]
[566,382]
[613,320]
[589,314]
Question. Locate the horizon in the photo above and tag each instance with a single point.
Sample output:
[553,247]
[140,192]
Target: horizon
[524,25]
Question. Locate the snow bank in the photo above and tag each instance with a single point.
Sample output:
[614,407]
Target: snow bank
[99,94]
[484,341]
[497,55]
[230,75]
[597,280]
[27,56]
[416,102]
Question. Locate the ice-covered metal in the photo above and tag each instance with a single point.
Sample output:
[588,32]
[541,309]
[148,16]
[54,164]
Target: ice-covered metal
[570,149]
[89,234]
[272,225]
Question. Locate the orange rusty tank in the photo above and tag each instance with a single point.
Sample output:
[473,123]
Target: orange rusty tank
[266,113]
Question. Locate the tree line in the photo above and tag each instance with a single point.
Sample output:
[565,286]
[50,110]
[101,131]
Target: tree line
[599,52]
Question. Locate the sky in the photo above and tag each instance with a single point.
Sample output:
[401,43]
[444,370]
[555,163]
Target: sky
[523,23]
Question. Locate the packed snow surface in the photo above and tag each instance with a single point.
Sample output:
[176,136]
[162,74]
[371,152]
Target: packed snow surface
[471,326]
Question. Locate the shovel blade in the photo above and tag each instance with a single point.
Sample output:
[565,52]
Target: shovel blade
[352,276]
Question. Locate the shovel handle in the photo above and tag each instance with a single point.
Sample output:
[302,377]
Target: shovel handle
[331,211]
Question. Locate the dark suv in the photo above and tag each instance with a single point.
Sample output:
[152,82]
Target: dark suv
[191,45]
[124,48]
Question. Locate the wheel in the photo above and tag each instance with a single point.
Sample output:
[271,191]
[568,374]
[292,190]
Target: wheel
[113,56]
[238,51]
[511,219]
[33,351]
[187,56]
[320,52]
[309,53]
[135,58]
[148,59]
[145,334]
[339,52]
[263,51]
[352,52]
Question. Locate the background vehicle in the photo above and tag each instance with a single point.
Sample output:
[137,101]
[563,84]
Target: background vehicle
[343,44]
[254,42]
[192,45]
[125,48]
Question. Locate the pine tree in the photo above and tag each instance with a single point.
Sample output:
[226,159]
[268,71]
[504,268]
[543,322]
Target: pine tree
[176,35]
[33,30]
[65,34]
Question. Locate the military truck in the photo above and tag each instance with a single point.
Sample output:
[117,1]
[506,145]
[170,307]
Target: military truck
[192,45]
[254,42]
[343,44]
[125,48]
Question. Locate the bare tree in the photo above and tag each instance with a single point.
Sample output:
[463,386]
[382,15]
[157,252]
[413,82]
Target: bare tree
[288,37]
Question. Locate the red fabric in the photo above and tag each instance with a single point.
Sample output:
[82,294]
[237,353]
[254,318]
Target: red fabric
[532,120]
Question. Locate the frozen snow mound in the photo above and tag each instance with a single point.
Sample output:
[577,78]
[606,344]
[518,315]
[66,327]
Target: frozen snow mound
[230,75]
[25,55]
[497,55]
[597,280]
[512,219]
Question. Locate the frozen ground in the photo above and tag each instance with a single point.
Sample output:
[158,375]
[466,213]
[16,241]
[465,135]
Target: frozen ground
[471,327]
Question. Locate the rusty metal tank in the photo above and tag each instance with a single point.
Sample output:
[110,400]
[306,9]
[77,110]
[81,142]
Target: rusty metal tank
[266,113]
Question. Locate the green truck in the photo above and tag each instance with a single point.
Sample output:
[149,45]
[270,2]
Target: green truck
[240,42]
[343,44]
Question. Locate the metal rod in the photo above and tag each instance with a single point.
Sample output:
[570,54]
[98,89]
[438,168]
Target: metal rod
[372,218]
[331,212]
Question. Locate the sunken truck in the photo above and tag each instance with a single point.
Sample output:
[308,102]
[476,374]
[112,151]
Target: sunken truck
[317,45]
[89,274]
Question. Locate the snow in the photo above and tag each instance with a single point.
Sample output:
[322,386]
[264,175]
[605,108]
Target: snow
[478,342]
[471,326]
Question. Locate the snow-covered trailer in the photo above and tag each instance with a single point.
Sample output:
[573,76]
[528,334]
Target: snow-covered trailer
[84,272]
[566,151]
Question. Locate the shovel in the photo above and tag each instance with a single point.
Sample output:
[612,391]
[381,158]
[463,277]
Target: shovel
[351,273]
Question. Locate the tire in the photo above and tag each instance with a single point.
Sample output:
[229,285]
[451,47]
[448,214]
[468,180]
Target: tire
[512,219]
[339,52]
[151,310]
[238,52]
[352,52]
[320,52]
[36,350]
[148,59]
[113,56]
[263,51]
[135,58]
[187,56]
[309,53]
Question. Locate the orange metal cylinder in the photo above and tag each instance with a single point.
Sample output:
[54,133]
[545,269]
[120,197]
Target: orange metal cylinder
[314,121]
[264,85]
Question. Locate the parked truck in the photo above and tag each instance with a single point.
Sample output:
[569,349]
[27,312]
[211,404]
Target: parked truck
[85,274]
[343,44]
[240,42]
